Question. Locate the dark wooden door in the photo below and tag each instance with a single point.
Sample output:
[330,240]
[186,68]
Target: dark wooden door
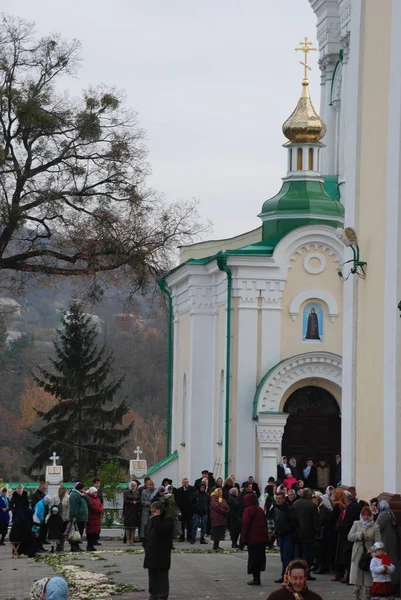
[313,427]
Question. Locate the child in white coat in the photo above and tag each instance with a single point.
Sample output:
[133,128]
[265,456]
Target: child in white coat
[381,568]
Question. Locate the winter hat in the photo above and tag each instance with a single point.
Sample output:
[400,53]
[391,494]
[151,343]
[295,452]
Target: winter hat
[287,471]
[38,588]
[92,490]
[160,489]
[378,546]
[54,510]
[57,589]
[47,499]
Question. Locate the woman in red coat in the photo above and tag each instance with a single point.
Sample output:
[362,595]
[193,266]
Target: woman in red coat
[254,535]
[94,523]
[219,511]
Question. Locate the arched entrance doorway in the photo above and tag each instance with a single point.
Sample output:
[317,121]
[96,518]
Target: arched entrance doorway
[313,427]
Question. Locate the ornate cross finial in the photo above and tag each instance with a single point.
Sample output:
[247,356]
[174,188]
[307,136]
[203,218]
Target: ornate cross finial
[54,458]
[305,48]
[138,452]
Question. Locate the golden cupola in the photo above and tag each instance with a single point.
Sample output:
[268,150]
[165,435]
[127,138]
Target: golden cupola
[304,126]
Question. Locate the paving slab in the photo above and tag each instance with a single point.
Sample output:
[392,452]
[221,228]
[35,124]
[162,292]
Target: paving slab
[195,574]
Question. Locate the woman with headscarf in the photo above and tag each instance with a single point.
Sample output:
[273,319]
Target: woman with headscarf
[295,586]
[364,533]
[21,532]
[147,497]
[387,524]
[79,512]
[131,512]
[234,519]
[94,524]
[219,511]
[254,535]
[50,588]
[19,501]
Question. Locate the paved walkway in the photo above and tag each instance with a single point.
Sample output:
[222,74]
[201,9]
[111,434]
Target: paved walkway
[194,575]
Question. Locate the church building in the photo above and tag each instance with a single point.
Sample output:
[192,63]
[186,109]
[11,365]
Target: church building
[283,341]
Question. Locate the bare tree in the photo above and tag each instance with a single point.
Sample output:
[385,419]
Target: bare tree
[73,200]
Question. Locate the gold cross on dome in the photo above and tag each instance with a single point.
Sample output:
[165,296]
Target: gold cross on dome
[305,48]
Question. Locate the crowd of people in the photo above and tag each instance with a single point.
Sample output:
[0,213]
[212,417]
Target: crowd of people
[317,529]
[38,519]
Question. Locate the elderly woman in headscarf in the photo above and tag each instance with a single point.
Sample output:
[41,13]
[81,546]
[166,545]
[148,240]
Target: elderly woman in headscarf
[50,588]
[363,534]
[387,524]
[131,512]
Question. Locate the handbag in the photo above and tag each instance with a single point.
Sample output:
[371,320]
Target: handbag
[73,534]
[364,561]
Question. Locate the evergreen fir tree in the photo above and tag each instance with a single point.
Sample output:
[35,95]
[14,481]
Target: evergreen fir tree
[83,418]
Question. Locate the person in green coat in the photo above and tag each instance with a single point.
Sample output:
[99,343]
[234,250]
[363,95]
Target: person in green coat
[78,512]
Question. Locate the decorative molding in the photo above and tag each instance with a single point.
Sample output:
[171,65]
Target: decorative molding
[345,44]
[270,435]
[323,365]
[312,294]
[270,429]
[315,270]
[250,290]
[312,247]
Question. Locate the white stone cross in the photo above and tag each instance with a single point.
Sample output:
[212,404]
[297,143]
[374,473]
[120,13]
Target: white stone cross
[138,452]
[54,458]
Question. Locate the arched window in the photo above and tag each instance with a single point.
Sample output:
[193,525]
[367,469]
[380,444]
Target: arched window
[184,411]
[220,431]
[310,159]
[300,157]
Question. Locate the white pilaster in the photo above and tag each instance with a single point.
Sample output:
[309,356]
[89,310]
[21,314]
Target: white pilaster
[392,267]
[247,370]
[270,430]
[176,329]
[201,392]
[349,195]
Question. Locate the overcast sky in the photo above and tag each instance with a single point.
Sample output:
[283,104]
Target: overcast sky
[212,82]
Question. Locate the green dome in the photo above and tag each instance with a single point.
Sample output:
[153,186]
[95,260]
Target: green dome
[300,203]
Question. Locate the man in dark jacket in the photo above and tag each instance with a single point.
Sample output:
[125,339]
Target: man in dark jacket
[337,471]
[285,527]
[158,543]
[184,499]
[310,474]
[255,486]
[308,527]
[247,489]
[201,501]
[38,494]
[206,474]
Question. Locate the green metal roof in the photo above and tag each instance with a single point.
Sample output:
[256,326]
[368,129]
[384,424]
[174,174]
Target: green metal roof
[300,203]
[163,463]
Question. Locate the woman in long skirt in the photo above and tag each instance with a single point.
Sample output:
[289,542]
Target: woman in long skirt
[219,511]
[254,535]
